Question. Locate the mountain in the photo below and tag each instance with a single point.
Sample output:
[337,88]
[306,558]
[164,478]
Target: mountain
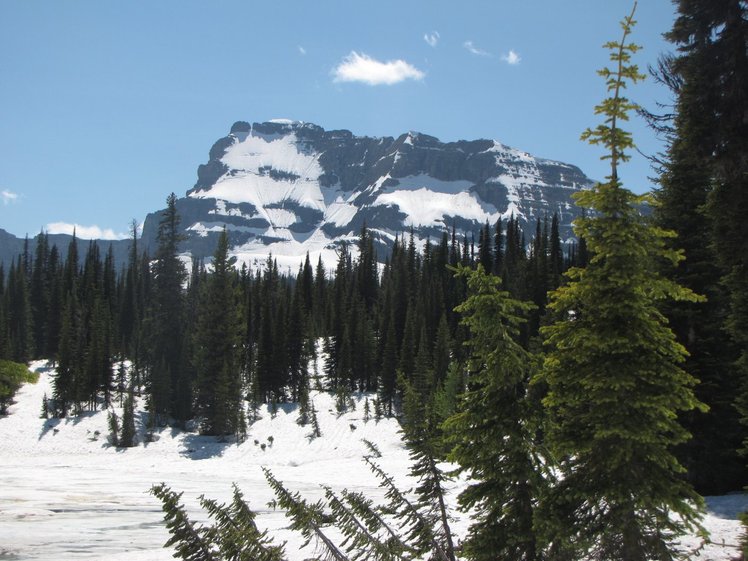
[290,187]
[11,247]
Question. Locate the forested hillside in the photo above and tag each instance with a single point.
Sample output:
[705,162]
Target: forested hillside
[188,332]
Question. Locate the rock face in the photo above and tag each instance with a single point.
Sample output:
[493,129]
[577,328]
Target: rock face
[289,187]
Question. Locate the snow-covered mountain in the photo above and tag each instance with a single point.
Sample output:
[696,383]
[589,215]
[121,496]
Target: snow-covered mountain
[289,187]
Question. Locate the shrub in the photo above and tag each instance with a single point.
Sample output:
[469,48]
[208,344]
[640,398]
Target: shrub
[12,375]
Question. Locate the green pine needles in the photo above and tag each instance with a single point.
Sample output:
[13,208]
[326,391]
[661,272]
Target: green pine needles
[492,433]
[230,535]
[613,369]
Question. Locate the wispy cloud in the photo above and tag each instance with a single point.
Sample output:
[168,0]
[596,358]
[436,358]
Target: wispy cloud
[8,196]
[432,38]
[471,47]
[302,50]
[360,67]
[511,57]
[84,232]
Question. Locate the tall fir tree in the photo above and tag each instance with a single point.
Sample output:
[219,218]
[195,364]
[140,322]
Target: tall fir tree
[166,322]
[703,195]
[615,385]
[492,433]
[40,294]
[217,352]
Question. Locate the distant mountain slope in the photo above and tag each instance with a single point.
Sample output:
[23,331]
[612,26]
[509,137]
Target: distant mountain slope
[11,247]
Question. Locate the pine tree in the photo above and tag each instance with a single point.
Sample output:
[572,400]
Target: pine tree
[498,248]
[64,383]
[700,192]
[128,435]
[485,248]
[40,294]
[388,370]
[366,269]
[555,255]
[408,344]
[129,312]
[217,337]
[306,518]
[235,534]
[613,370]
[166,319]
[190,540]
[493,430]
[424,440]
[113,428]
[513,273]
[296,328]
[54,316]
[442,346]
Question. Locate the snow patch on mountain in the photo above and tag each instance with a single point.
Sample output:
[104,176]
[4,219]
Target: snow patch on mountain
[340,213]
[292,250]
[282,153]
[222,210]
[268,171]
[424,207]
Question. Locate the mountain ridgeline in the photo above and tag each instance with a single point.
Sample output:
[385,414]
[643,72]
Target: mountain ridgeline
[289,187]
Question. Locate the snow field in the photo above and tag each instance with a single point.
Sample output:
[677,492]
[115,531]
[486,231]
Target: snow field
[67,494]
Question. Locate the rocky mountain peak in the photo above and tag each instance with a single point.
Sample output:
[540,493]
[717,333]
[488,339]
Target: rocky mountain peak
[290,187]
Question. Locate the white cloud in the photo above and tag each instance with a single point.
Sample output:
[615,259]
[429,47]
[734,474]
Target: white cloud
[302,50]
[432,38]
[84,232]
[511,58]
[470,46]
[362,68]
[8,197]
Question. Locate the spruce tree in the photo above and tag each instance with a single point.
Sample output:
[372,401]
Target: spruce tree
[40,294]
[702,191]
[128,435]
[217,337]
[166,320]
[424,440]
[492,432]
[64,383]
[555,255]
[615,385]
[113,421]
[129,312]
[54,318]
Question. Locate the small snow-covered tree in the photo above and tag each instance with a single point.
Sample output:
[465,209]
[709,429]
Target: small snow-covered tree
[128,434]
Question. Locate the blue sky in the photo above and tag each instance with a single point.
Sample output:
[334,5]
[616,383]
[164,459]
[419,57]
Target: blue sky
[108,106]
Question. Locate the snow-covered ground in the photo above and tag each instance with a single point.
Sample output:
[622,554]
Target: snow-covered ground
[65,493]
